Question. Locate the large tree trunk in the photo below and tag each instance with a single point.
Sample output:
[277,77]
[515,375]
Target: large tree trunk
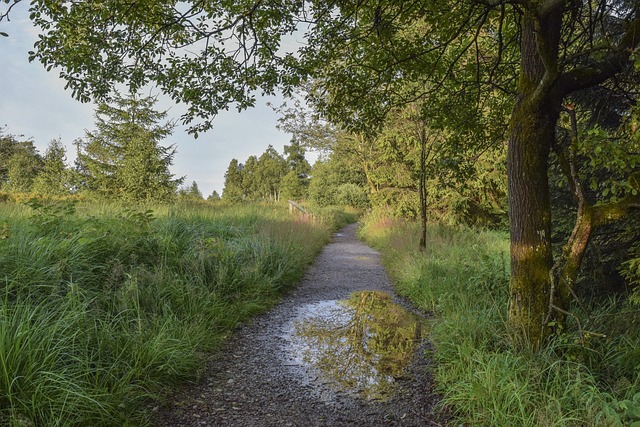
[532,133]
[539,292]
[529,221]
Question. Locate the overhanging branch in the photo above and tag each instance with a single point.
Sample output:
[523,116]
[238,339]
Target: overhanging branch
[591,75]
[5,15]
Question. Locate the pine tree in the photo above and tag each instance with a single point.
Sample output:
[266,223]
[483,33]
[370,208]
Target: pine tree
[296,159]
[123,158]
[194,191]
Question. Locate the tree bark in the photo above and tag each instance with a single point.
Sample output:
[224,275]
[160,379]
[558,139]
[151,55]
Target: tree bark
[529,221]
[539,291]
[531,135]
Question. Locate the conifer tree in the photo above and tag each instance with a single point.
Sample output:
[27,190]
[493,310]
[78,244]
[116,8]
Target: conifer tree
[123,157]
[194,191]
[214,197]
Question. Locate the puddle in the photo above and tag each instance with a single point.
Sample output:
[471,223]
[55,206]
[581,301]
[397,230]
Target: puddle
[360,345]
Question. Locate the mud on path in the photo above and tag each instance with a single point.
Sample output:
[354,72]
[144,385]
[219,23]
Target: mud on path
[256,381]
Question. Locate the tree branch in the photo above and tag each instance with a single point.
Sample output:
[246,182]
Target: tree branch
[5,15]
[610,212]
[568,160]
[588,76]
[547,34]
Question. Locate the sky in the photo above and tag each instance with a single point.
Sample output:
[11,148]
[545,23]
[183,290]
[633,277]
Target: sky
[33,103]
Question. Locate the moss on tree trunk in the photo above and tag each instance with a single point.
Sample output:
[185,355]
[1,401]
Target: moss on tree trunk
[529,221]
[532,133]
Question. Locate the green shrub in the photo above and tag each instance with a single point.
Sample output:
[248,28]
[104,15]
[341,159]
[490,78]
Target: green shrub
[352,195]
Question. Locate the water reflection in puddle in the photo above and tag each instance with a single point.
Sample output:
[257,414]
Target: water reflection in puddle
[360,345]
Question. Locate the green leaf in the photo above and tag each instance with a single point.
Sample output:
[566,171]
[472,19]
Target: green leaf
[634,413]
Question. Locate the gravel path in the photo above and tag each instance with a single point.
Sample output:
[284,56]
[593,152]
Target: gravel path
[253,382]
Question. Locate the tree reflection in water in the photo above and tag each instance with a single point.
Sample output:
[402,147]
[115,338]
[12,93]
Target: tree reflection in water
[363,344]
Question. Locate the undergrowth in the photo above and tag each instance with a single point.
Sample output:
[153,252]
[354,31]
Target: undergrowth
[462,278]
[104,308]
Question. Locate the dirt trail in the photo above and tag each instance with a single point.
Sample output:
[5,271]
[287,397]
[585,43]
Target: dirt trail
[255,383]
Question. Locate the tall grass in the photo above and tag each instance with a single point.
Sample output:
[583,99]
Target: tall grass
[103,308]
[462,278]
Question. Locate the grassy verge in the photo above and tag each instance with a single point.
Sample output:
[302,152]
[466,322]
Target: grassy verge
[103,308]
[463,279]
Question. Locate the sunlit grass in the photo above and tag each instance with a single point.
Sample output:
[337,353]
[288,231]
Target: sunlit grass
[104,307]
[462,278]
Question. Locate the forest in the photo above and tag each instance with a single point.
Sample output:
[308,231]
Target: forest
[492,147]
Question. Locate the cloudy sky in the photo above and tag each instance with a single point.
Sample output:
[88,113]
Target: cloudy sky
[33,103]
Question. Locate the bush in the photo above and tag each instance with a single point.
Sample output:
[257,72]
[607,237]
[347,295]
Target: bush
[352,195]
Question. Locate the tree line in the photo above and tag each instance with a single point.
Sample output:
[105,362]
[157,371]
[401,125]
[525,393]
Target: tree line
[270,177]
[122,159]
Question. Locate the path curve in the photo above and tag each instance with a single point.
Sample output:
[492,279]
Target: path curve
[251,383]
